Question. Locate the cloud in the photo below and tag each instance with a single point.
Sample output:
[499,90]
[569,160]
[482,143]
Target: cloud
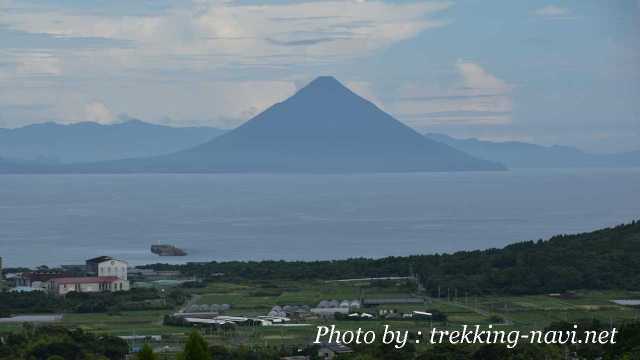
[478,79]
[210,34]
[301,42]
[98,112]
[552,11]
[216,59]
[477,98]
[221,61]
[15,40]
[36,63]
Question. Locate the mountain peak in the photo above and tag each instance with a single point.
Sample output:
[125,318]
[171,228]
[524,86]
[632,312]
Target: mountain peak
[325,80]
[325,84]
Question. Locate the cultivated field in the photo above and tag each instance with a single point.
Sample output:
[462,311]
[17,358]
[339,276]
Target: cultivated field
[257,298]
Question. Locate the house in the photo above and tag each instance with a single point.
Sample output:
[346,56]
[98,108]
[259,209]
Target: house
[107,266]
[38,279]
[331,350]
[63,286]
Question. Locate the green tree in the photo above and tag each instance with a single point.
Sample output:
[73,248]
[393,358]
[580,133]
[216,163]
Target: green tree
[146,353]
[196,348]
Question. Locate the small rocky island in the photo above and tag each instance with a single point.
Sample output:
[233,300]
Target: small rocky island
[167,250]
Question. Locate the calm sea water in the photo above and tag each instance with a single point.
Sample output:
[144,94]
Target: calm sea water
[64,219]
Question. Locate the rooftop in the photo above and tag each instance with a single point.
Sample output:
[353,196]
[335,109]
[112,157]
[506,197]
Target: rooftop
[99,259]
[85,280]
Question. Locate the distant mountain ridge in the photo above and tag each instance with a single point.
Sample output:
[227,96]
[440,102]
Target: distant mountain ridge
[516,154]
[90,142]
[323,128]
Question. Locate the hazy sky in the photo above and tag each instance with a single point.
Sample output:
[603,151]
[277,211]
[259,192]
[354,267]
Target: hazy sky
[558,72]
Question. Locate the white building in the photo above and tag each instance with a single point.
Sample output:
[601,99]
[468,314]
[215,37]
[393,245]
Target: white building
[113,267]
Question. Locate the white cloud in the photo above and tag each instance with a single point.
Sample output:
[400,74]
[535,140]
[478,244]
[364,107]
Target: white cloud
[552,11]
[214,33]
[478,79]
[15,67]
[479,98]
[37,64]
[98,112]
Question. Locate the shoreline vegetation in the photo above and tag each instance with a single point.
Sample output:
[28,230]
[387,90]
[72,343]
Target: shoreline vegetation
[608,258]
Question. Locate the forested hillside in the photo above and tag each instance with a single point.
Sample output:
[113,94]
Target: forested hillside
[603,259]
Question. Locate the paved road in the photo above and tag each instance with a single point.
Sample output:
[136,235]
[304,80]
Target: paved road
[32,318]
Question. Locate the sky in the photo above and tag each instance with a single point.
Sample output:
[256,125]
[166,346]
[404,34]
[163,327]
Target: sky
[557,72]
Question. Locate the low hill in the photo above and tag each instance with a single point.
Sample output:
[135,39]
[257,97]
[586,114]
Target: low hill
[16,166]
[517,154]
[89,142]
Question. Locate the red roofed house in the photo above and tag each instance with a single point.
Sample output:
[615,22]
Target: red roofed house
[38,279]
[62,286]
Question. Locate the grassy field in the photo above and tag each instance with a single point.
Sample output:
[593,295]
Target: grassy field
[257,298]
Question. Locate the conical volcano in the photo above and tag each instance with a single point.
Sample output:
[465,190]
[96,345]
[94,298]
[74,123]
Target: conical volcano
[323,128]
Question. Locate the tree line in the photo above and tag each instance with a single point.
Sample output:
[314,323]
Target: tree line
[12,303]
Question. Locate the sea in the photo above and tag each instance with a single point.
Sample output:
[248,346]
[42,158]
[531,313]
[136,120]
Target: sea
[66,219]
